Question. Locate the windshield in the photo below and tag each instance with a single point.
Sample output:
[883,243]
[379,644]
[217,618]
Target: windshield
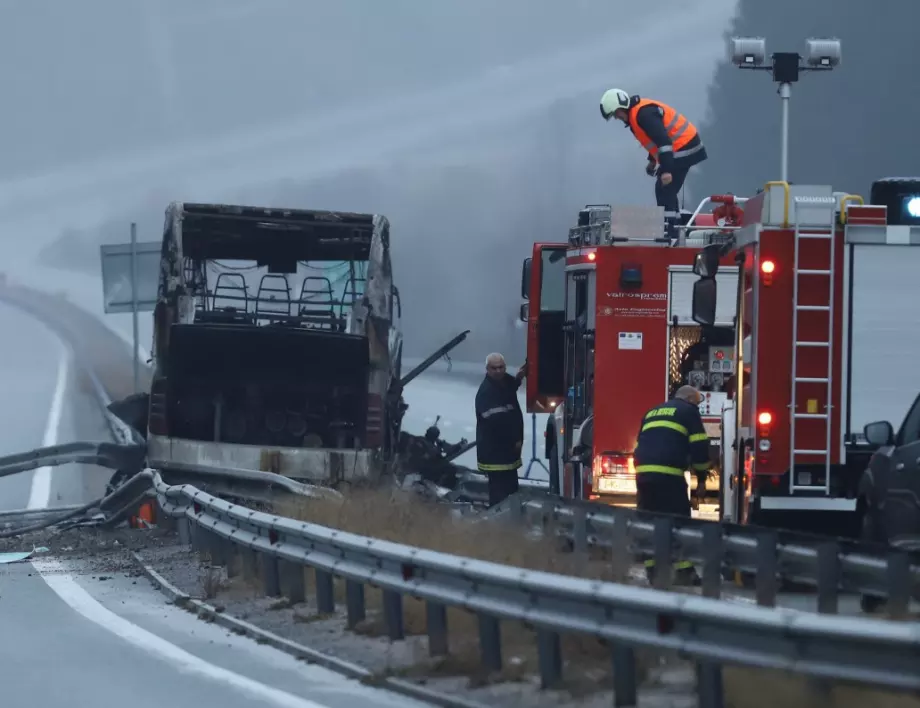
[552,281]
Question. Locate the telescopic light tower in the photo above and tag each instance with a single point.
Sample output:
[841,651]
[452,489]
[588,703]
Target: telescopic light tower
[820,55]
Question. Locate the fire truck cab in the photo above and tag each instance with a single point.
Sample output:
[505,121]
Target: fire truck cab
[611,334]
[826,342]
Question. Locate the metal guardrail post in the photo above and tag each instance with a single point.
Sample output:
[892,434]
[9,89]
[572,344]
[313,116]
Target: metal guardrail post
[549,657]
[393,614]
[766,569]
[661,579]
[620,557]
[709,674]
[436,621]
[185,531]
[828,578]
[232,552]
[709,686]
[250,563]
[217,547]
[580,531]
[271,584]
[291,577]
[354,603]
[898,584]
[712,561]
[624,677]
[325,592]
[490,643]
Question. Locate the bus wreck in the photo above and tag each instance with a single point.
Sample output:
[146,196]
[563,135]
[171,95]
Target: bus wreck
[276,345]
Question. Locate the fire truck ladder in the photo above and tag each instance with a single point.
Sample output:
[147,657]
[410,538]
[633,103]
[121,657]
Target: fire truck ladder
[826,233]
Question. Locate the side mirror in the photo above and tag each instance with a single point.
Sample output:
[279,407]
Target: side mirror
[525,311]
[704,302]
[706,263]
[879,433]
[525,278]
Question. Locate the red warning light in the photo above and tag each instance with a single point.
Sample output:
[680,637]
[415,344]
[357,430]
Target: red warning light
[720,354]
[592,255]
[768,267]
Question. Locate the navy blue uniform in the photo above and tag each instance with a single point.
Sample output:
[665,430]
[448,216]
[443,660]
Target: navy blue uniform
[671,439]
[499,433]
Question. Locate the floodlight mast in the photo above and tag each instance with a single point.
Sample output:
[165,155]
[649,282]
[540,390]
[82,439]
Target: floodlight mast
[751,53]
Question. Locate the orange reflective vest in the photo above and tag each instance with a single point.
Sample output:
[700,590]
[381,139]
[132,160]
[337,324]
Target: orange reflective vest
[680,130]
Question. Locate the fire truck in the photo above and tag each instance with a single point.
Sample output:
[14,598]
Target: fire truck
[826,341]
[611,334]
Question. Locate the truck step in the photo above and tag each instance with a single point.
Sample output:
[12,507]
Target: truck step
[808,379]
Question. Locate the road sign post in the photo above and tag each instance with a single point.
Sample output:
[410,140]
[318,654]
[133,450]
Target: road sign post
[130,275]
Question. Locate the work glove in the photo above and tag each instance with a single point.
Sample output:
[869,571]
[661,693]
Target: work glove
[651,168]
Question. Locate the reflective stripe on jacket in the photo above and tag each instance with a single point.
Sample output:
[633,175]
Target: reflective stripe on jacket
[672,437]
[679,129]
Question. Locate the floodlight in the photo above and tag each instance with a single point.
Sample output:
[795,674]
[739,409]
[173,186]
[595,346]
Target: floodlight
[748,51]
[822,53]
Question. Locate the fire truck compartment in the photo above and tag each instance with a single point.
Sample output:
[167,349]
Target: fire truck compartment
[884,334]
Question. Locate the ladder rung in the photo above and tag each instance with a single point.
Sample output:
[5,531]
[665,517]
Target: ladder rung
[812,344]
[808,487]
[822,416]
[814,308]
[810,379]
[811,271]
[810,452]
[824,235]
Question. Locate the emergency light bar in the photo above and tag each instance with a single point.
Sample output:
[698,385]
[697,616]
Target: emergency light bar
[901,196]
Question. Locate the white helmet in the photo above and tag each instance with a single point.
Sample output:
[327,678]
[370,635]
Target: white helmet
[612,100]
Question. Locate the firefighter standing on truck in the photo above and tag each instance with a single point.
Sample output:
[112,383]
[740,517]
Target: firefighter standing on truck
[672,142]
[672,437]
[499,428]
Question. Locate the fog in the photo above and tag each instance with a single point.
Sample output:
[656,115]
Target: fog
[846,126]
[473,126]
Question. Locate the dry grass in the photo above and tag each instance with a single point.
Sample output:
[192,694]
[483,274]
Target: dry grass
[749,688]
[403,517]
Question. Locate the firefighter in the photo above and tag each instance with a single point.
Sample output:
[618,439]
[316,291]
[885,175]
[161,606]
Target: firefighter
[671,436]
[499,428]
[672,142]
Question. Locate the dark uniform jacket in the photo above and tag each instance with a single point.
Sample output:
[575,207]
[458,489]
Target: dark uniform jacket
[671,439]
[499,424]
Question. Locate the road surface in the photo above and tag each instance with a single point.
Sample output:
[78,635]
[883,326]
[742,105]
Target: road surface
[75,638]
[43,404]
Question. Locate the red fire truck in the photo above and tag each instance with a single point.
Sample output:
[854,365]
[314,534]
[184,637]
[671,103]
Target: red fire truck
[611,334]
[827,337]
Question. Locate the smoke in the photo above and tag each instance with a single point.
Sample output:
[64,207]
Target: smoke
[473,126]
[847,127]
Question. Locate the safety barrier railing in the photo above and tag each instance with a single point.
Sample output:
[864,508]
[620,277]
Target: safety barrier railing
[713,633]
[769,557]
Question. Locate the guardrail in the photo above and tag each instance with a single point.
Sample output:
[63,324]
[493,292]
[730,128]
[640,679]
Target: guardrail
[770,556]
[865,651]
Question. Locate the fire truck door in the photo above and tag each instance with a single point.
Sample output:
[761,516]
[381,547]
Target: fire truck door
[545,291]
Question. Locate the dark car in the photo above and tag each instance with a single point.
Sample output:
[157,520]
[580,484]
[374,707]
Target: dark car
[889,491]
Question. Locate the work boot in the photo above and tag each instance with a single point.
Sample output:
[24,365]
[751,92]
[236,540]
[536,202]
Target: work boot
[687,576]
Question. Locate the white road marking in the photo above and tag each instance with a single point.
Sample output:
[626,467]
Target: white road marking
[40,491]
[67,588]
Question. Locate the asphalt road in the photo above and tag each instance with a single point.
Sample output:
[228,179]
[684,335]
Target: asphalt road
[74,637]
[43,404]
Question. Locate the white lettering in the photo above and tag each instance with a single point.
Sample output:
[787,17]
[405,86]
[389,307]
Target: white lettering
[638,296]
